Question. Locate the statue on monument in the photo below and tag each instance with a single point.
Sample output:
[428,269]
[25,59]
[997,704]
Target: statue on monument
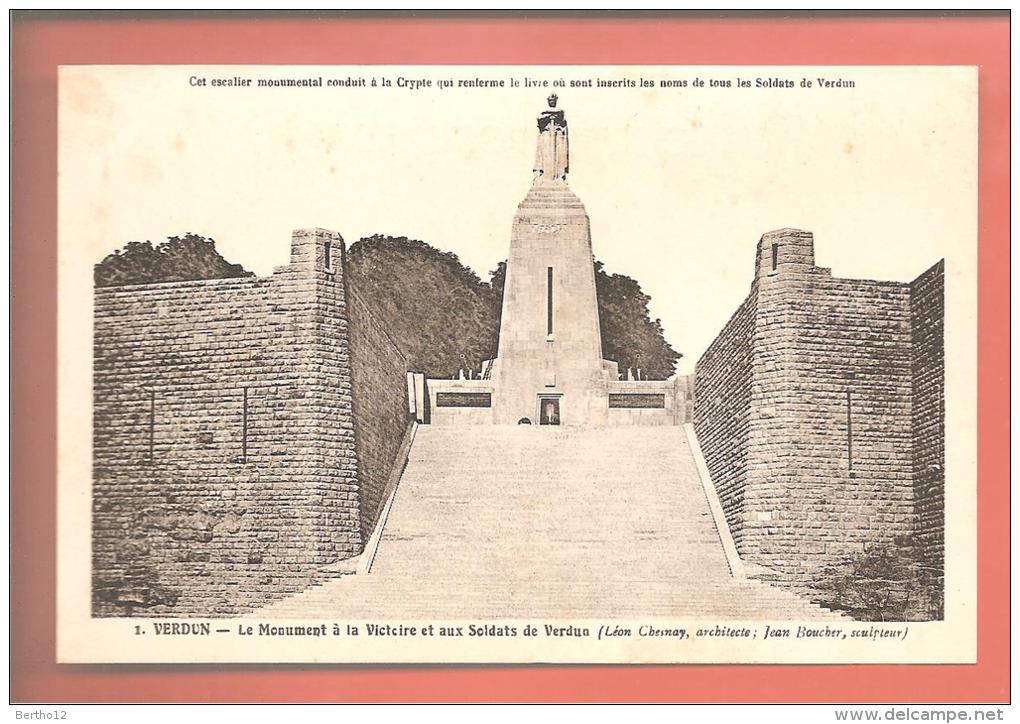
[553,158]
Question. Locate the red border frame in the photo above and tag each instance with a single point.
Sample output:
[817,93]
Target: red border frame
[39,45]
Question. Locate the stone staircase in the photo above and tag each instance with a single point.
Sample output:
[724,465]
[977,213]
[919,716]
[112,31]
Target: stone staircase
[527,521]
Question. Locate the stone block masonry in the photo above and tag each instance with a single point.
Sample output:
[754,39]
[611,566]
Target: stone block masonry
[378,374]
[927,313]
[722,410]
[227,459]
[813,414]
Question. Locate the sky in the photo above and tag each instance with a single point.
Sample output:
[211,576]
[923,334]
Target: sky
[679,183]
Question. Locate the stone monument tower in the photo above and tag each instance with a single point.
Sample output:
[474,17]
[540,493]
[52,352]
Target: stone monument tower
[549,366]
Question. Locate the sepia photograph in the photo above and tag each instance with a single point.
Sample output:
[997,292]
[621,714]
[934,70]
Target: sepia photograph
[583,364]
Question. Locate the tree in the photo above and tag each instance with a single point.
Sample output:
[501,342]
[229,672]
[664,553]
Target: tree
[179,258]
[630,336]
[886,582]
[434,307]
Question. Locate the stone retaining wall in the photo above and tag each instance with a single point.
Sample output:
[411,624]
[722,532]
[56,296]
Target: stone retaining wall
[807,408]
[226,450]
[927,309]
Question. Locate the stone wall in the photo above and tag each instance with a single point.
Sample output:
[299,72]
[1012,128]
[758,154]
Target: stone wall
[647,403]
[722,410]
[803,408]
[650,403]
[829,454]
[225,456]
[379,376]
[443,413]
[927,309]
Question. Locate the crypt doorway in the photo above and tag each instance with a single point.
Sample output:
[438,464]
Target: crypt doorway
[548,410]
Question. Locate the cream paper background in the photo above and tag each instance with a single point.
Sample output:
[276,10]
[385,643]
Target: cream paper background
[679,184]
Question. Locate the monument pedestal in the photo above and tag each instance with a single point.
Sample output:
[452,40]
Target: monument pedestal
[550,345]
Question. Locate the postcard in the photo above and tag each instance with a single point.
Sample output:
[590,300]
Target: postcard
[517,364]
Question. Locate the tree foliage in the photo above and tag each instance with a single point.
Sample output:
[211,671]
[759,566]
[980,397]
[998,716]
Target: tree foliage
[179,258]
[888,582]
[630,336]
[437,309]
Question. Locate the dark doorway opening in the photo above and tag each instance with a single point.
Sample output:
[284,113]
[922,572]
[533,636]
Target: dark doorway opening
[549,411]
